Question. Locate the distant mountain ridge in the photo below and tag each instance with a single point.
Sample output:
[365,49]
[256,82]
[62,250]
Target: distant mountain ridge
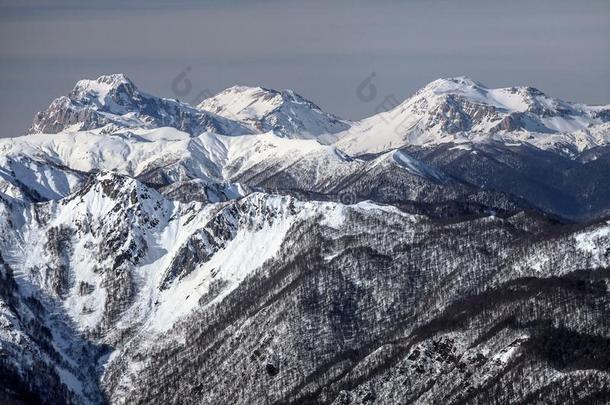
[255,249]
[113,102]
[247,138]
[463,110]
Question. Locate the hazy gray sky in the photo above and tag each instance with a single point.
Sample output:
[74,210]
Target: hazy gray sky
[323,50]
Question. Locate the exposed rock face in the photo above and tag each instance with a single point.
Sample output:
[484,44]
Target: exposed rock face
[558,184]
[41,355]
[197,190]
[59,246]
[113,102]
[284,112]
[462,110]
[510,123]
[143,264]
[362,303]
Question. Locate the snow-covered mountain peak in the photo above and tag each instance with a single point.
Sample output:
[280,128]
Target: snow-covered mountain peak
[114,93]
[104,83]
[152,251]
[112,103]
[112,80]
[285,112]
[452,84]
[515,99]
[462,109]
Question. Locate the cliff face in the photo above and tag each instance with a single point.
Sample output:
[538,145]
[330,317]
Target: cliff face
[153,252]
[269,299]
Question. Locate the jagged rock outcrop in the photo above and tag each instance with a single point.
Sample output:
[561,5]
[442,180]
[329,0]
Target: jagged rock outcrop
[113,102]
[153,253]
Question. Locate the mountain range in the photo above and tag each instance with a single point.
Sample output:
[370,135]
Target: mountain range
[257,249]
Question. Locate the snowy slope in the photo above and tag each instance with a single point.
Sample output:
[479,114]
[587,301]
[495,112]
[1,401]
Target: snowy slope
[446,110]
[31,177]
[284,112]
[129,152]
[252,138]
[118,254]
[154,252]
[167,157]
[113,102]
[462,110]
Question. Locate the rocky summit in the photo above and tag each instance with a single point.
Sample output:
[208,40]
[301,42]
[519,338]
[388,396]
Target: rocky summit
[254,249]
